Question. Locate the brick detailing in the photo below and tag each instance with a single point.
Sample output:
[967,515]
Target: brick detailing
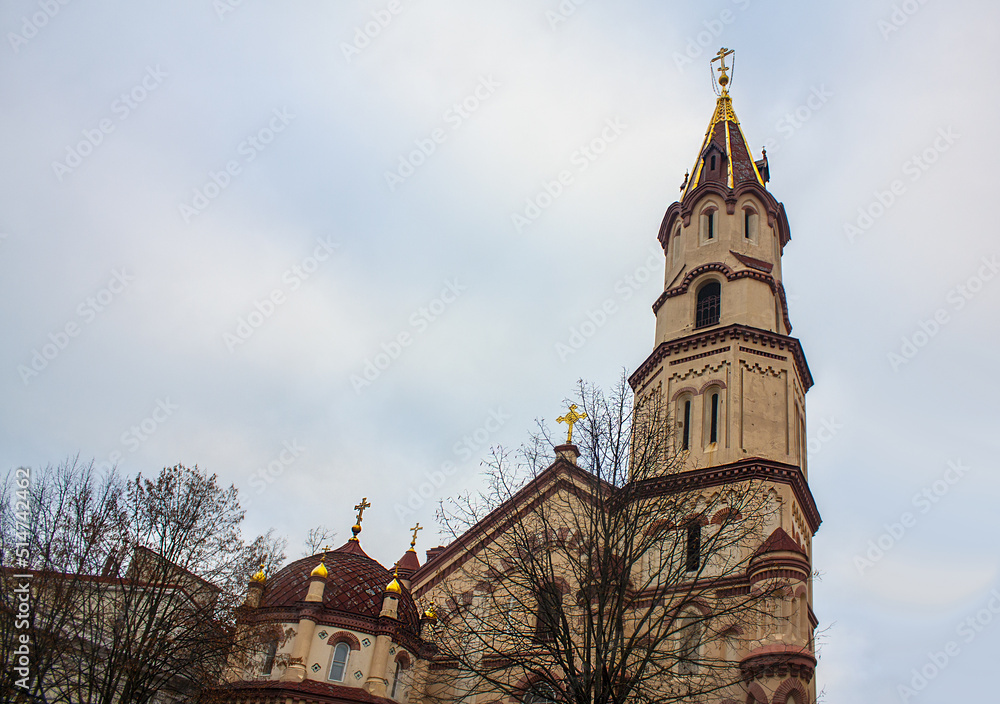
[699,356]
[739,333]
[751,350]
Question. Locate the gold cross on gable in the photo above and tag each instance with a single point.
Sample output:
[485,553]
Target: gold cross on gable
[415,529]
[721,57]
[571,419]
[360,508]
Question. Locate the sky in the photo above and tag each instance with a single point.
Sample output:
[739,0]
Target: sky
[322,250]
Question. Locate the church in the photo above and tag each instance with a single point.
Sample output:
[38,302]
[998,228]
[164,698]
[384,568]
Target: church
[734,626]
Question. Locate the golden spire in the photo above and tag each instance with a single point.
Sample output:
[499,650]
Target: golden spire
[721,58]
[571,419]
[360,508]
[415,529]
[259,576]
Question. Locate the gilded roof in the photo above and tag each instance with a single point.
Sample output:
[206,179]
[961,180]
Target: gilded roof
[724,133]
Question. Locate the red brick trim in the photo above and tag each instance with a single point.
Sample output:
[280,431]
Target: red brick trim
[700,355]
[756,694]
[755,468]
[685,390]
[714,382]
[344,637]
[718,336]
[786,688]
[753,262]
[776,287]
[751,350]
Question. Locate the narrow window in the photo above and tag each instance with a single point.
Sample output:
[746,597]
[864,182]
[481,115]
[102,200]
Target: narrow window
[708,308]
[686,428]
[690,638]
[713,435]
[548,616]
[712,167]
[711,224]
[693,560]
[272,651]
[395,679]
[746,224]
[339,666]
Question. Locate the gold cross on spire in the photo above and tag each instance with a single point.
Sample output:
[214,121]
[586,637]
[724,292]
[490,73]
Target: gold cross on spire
[360,508]
[415,529]
[571,419]
[721,58]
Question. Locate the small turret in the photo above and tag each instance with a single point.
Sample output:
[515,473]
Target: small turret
[409,563]
[317,581]
[256,587]
[390,599]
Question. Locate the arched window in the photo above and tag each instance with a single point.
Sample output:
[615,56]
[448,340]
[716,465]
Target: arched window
[709,305]
[708,224]
[713,415]
[692,549]
[689,643]
[750,224]
[549,618]
[272,651]
[686,425]
[397,687]
[540,693]
[339,666]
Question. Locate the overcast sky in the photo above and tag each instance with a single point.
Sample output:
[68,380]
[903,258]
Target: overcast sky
[252,234]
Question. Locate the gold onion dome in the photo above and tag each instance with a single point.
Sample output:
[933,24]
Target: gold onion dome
[430,613]
[394,586]
[259,575]
[319,571]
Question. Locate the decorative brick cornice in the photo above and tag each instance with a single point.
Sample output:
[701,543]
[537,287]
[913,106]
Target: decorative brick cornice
[778,661]
[754,468]
[706,338]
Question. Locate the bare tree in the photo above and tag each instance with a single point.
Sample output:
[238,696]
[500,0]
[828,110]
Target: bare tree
[317,539]
[601,581]
[134,584]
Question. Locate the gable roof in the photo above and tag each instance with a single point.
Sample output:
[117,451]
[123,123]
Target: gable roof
[559,474]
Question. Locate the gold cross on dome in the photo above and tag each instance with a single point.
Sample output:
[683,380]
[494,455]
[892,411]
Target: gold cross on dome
[415,529]
[571,419]
[360,508]
[721,57]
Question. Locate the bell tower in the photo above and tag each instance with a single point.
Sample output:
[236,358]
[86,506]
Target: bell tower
[733,380]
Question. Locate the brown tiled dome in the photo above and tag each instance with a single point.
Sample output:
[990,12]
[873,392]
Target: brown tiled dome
[355,586]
